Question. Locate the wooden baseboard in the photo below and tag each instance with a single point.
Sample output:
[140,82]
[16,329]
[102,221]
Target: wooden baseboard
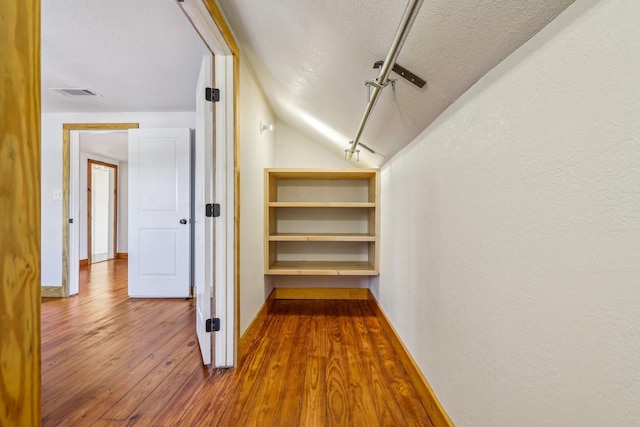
[254,328]
[122,255]
[51,292]
[321,293]
[436,412]
[84,262]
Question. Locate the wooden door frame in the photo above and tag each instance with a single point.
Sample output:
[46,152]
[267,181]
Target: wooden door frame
[90,163]
[21,56]
[66,168]
[20,198]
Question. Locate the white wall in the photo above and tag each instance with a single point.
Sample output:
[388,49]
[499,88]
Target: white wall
[295,150]
[511,233]
[51,176]
[257,152]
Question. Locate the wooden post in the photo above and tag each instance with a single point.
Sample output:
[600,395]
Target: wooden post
[20,380]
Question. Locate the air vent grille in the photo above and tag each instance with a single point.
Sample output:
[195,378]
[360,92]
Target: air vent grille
[78,92]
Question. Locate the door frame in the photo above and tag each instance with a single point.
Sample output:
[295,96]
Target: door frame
[208,20]
[90,163]
[67,154]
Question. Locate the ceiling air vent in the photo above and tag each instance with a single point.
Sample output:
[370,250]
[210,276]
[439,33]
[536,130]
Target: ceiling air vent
[78,92]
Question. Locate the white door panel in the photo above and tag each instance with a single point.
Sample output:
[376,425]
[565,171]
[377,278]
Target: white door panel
[159,213]
[203,264]
[224,185]
[225,343]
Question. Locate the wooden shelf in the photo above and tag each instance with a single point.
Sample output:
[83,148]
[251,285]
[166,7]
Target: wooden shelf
[319,268]
[321,222]
[321,237]
[321,205]
[315,174]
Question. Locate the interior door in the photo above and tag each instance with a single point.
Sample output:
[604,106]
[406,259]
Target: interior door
[159,213]
[203,264]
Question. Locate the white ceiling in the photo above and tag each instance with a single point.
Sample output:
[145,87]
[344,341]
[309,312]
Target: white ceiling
[313,57]
[141,55]
[310,57]
[113,145]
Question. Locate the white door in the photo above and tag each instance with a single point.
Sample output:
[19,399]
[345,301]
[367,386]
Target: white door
[203,266]
[159,213]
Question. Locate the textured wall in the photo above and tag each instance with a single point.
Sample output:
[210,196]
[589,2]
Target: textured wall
[511,233]
[256,153]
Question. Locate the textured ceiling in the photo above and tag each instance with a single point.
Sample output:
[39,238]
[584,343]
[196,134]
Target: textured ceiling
[313,57]
[142,55]
[310,57]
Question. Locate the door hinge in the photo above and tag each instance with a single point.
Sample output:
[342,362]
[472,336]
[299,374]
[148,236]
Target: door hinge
[212,325]
[212,94]
[212,210]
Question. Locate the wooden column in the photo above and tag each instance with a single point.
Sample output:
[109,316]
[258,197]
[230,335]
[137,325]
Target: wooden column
[20,382]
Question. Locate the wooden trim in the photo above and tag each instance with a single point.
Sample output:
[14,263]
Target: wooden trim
[223,26]
[84,262]
[321,293]
[20,156]
[434,408]
[122,255]
[66,165]
[254,328]
[51,292]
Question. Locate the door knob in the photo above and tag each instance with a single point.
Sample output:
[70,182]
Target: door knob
[183,221]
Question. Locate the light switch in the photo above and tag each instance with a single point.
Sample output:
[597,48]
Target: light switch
[57,194]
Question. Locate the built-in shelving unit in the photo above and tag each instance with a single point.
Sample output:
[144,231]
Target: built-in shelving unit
[321,222]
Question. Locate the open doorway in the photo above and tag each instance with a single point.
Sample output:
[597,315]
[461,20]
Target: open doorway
[102,165]
[102,211]
[99,142]
[226,181]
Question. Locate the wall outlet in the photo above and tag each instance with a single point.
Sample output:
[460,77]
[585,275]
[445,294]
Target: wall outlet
[57,194]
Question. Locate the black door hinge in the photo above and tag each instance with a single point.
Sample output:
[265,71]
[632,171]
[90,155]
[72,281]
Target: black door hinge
[212,210]
[212,94]
[212,325]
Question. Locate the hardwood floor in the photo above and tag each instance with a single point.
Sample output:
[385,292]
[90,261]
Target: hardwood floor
[108,360]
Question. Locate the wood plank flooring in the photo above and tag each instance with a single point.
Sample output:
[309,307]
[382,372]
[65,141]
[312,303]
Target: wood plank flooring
[108,360]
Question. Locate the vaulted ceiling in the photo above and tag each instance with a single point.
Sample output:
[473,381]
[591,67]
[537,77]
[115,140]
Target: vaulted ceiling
[311,58]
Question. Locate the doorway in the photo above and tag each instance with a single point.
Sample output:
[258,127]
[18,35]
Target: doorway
[71,206]
[226,182]
[102,211]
